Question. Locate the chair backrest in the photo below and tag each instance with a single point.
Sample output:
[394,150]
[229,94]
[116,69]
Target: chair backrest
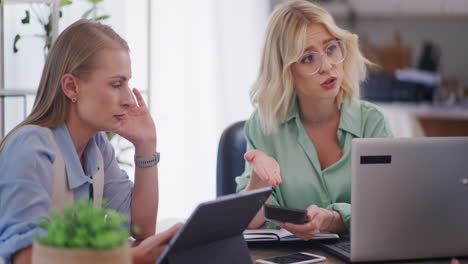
[231,161]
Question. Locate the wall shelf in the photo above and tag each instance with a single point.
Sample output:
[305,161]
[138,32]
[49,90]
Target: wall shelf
[393,8]
[399,8]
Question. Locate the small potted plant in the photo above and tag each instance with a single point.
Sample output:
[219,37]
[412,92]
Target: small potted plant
[83,234]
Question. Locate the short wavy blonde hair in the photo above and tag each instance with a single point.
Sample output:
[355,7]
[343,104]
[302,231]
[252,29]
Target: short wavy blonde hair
[273,92]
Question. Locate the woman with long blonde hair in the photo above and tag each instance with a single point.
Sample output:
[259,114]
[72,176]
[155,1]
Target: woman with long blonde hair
[307,114]
[60,152]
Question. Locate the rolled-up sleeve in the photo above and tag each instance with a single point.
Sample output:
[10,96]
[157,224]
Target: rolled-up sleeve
[243,180]
[118,188]
[344,209]
[25,187]
[253,138]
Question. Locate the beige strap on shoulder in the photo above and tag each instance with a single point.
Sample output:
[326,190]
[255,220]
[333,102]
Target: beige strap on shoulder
[98,181]
[61,195]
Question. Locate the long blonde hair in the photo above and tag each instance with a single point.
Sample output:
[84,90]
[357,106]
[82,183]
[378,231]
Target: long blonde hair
[73,52]
[273,92]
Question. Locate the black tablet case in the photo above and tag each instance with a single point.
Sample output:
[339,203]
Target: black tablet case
[213,233]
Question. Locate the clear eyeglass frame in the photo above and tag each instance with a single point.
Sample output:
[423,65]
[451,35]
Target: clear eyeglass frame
[335,58]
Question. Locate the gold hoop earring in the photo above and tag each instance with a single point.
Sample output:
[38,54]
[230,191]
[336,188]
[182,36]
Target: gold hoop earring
[73,100]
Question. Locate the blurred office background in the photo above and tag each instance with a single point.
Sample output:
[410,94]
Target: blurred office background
[195,62]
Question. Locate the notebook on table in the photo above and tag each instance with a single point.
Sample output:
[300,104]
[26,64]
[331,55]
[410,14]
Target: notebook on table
[259,235]
[409,200]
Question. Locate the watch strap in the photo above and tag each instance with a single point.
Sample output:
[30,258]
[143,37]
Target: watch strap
[147,161]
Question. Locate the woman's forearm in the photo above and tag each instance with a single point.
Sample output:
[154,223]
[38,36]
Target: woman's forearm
[254,183]
[22,256]
[336,223]
[145,197]
[258,220]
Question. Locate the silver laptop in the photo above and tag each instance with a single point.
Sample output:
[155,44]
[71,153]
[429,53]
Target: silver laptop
[409,199]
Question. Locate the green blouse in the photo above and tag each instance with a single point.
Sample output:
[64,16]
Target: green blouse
[304,181]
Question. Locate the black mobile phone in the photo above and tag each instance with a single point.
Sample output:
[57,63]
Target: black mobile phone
[284,214]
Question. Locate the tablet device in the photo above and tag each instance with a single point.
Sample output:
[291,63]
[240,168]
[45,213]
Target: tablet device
[296,258]
[284,214]
[215,229]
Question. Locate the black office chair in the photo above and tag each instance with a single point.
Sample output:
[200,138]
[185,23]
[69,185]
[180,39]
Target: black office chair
[231,161]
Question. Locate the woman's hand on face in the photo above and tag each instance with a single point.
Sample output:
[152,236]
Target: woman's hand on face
[138,126]
[317,219]
[267,170]
[149,250]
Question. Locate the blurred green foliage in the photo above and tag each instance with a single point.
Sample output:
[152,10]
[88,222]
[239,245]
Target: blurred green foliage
[83,226]
[45,19]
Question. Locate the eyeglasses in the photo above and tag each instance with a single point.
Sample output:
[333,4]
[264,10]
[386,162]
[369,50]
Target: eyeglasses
[311,62]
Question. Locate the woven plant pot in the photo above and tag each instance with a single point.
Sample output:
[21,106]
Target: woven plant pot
[53,255]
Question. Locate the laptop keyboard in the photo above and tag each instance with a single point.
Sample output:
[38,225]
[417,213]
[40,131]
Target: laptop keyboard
[343,245]
[341,249]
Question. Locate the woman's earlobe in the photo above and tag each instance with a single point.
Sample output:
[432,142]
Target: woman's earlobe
[69,86]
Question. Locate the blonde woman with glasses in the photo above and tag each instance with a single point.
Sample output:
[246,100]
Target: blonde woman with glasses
[307,115]
[60,154]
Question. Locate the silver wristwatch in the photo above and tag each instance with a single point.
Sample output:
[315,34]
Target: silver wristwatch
[147,161]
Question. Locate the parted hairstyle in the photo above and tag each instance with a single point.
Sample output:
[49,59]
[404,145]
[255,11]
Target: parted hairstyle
[73,52]
[273,93]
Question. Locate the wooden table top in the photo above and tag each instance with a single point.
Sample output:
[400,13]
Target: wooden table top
[271,249]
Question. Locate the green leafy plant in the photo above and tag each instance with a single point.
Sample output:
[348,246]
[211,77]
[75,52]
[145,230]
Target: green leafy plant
[83,226]
[92,13]
[45,19]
